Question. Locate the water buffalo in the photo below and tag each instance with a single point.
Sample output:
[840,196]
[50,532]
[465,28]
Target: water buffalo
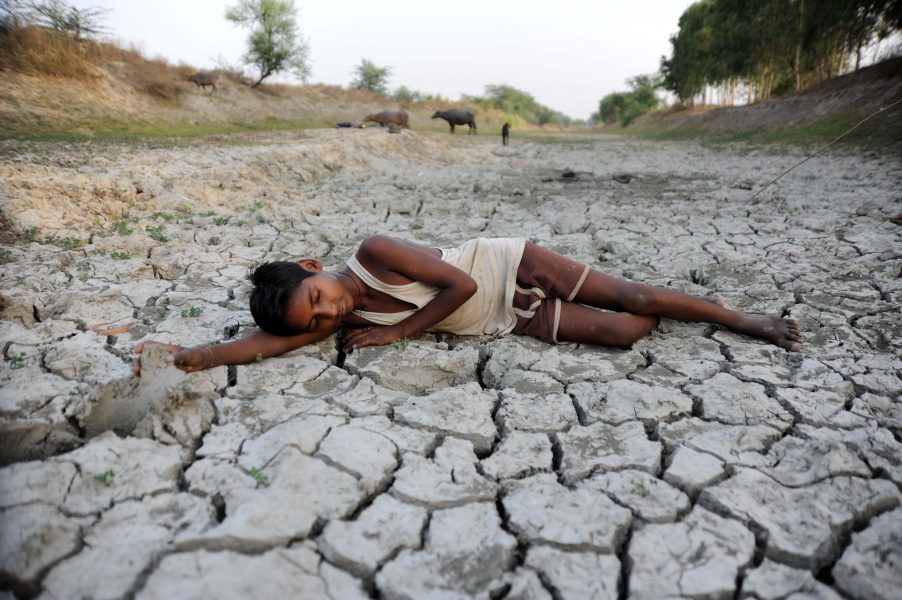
[456,116]
[203,79]
[387,117]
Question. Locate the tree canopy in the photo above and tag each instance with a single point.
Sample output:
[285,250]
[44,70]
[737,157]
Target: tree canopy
[512,101]
[770,47]
[274,43]
[626,106]
[80,23]
[370,76]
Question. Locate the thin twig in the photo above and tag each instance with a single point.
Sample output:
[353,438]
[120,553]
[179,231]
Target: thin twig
[819,150]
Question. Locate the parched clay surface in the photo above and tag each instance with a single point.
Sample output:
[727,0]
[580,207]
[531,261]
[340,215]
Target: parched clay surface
[697,464]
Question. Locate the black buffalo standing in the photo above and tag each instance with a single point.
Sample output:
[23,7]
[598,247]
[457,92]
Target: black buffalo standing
[456,116]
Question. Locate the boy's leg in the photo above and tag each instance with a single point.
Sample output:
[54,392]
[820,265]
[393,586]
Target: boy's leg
[558,274]
[611,293]
[556,321]
[586,325]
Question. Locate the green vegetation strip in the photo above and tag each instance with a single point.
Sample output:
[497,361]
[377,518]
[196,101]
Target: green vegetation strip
[119,131]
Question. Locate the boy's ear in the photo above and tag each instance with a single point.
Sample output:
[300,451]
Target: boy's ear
[311,264]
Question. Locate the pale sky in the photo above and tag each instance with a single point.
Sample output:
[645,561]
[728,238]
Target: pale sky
[567,53]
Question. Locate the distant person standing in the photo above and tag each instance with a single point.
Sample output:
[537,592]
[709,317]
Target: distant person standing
[505,133]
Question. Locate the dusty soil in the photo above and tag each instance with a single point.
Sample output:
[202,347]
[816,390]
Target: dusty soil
[697,463]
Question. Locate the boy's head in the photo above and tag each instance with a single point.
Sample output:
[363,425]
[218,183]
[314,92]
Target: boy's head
[275,283]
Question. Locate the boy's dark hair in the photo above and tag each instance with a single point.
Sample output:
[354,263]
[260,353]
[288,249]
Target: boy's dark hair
[274,285]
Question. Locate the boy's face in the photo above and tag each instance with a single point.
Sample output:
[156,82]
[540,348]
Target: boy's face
[319,303]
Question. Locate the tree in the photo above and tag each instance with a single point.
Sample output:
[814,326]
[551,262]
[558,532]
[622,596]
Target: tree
[513,101]
[274,43]
[406,95]
[81,23]
[769,47]
[626,106]
[369,76]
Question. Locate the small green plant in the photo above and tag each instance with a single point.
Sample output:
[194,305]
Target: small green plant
[260,476]
[162,312]
[185,213]
[106,478]
[639,488]
[401,345]
[260,218]
[193,311]
[30,234]
[120,255]
[239,223]
[17,361]
[220,221]
[121,227]
[6,256]
[68,243]
[83,266]
[156,233]
[259,358]
[258,205]
[162,216]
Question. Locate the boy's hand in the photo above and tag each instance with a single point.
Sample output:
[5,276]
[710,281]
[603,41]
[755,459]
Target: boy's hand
[375,335]
[188,360]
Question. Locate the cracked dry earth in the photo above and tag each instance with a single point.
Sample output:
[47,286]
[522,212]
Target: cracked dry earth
[697,464]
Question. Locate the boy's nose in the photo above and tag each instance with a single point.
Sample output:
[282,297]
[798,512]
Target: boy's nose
[330,310]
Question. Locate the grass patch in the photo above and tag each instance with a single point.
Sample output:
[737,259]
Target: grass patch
[42,52]
[121,131]
[876,131]
[67,243]
[156,233]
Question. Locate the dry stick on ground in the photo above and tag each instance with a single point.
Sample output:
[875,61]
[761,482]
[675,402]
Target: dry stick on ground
[819,150]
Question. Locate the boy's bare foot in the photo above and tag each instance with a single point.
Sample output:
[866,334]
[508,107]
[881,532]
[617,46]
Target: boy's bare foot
[785,333]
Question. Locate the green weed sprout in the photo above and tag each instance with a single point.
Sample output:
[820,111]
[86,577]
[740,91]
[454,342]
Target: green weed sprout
[401,345]
[122,227]
[156,233]
[106,478]
[193,311]
[30,234]
[639,488]
[259,476]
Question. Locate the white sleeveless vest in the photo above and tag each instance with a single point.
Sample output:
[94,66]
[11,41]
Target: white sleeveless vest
[491,262]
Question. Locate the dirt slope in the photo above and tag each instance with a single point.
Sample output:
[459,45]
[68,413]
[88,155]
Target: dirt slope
[844,99]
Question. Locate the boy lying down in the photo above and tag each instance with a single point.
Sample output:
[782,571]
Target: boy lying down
[393,289]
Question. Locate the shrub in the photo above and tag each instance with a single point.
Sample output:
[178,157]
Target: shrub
[43,52]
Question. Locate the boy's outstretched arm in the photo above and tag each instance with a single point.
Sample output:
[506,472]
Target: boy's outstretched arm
[237,352]
[418,264]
